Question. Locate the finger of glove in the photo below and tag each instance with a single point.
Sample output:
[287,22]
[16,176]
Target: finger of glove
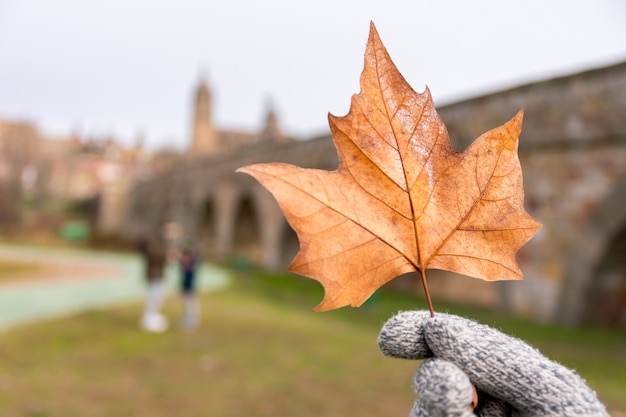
[442,389]
[419,410]
[508,368]
[402,336]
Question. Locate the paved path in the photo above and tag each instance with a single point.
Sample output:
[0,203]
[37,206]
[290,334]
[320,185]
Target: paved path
[71,281]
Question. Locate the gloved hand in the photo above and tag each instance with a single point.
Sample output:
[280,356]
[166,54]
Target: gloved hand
[511,378]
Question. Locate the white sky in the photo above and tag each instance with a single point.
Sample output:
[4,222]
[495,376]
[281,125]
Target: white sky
[129,67]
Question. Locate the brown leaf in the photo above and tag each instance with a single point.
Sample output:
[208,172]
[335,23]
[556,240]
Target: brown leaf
[402,199]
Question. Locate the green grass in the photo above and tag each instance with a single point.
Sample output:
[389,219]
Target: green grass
[260,352]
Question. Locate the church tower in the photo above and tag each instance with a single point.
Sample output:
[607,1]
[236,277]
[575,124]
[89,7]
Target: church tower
[271,130]
[204,137]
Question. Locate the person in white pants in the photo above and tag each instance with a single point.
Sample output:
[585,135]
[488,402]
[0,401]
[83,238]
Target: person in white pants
[154,251]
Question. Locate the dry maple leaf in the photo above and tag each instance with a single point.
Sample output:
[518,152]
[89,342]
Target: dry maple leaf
[402,199]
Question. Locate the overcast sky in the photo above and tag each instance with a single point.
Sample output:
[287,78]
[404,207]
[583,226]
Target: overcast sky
[129,67]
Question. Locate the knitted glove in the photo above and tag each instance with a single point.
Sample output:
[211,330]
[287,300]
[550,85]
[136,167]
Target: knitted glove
[511,378]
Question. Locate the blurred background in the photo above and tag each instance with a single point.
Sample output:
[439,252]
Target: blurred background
[119,117]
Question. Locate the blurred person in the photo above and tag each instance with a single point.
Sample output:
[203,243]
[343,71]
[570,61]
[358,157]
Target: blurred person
[188,260]
[470,370]
[153,248]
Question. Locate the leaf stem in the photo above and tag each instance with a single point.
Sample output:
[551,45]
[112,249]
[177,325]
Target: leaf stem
[426,292]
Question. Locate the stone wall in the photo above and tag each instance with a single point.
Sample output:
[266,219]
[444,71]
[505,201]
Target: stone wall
[573,155]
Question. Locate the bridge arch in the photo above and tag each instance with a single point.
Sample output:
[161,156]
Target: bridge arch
[206,224]
[594,286]
[272,228]
[289,245]
[246,230]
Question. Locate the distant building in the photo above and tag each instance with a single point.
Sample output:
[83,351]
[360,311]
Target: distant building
[98,174]
[42,178]
[208,139]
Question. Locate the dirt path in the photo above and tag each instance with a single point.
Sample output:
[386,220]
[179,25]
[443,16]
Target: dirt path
[70,281]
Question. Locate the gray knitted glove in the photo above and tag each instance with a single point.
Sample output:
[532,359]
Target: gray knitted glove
[511,377]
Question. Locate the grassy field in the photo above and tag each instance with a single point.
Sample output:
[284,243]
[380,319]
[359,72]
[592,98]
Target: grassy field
[260,352]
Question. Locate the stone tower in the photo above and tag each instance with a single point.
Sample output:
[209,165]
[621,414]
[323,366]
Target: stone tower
[204,136]
[271,129]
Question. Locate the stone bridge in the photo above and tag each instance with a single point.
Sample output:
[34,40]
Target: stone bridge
[573,155]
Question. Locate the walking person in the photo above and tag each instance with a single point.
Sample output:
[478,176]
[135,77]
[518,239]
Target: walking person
[154,251]
[191,307]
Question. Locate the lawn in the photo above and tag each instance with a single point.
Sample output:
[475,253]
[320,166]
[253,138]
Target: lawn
[260,352]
